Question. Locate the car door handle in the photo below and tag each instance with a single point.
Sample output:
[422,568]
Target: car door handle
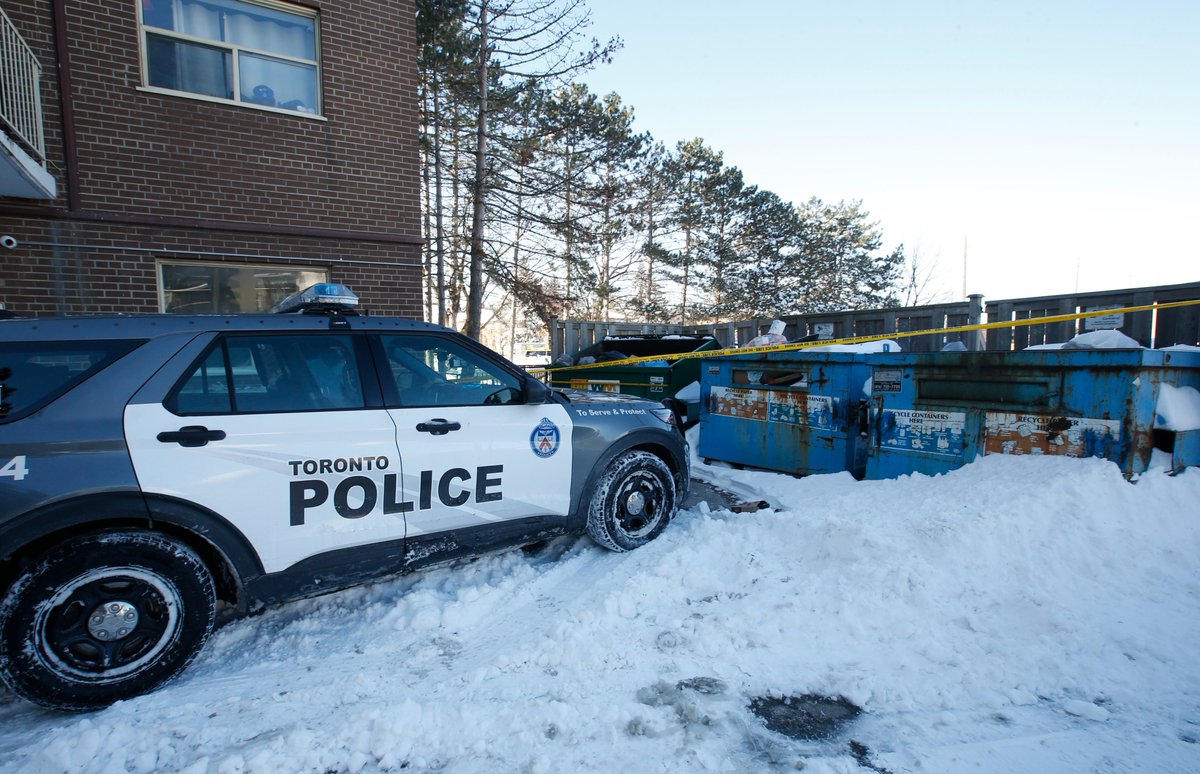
[437,426]
[192,435]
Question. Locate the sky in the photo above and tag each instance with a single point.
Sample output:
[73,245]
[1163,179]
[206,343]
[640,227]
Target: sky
[1038,147]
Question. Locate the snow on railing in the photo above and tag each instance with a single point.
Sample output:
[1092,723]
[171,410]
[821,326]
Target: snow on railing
[20,95]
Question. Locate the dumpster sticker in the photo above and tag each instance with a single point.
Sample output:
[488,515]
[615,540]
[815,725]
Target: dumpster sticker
[739,402]
[800,408]
[1014,433]
[887,380]
[656,383]
[925,432]
[596,385]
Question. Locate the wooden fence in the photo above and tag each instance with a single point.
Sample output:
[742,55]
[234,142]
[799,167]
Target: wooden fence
[1155,328]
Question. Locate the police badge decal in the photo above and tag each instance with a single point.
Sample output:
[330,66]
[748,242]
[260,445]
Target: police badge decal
[544,439]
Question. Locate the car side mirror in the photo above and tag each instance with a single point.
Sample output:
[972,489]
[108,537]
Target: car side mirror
[536,392]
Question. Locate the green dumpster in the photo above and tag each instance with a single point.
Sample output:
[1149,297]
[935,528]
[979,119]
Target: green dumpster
[657,380]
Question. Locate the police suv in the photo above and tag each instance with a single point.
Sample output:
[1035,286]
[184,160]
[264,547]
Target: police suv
[153,467]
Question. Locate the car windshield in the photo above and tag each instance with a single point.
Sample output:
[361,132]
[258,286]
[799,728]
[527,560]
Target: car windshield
[34,373]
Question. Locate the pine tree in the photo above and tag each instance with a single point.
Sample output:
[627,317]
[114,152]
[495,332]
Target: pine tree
[689,172]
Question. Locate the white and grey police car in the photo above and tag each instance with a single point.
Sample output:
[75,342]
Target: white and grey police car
[156,467]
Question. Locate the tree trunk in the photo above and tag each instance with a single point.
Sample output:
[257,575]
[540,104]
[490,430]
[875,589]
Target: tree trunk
[439,223]
[475,291]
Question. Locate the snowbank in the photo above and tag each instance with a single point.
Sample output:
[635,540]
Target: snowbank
[1019,614]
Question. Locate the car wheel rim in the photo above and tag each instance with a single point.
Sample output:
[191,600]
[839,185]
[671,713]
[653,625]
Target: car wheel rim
[108,623]
[639,504]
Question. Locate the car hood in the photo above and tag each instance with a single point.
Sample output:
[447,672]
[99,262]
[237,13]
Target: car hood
[593,397]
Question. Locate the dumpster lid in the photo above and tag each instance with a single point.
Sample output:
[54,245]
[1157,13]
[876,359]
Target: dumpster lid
[618,347]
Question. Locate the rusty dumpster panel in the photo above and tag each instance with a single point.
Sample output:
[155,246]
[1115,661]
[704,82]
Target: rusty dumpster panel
[932,413]
[793,412]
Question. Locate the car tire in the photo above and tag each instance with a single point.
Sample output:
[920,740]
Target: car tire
[632,502]
[104,617]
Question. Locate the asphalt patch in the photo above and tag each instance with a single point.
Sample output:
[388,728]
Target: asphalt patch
[808,717]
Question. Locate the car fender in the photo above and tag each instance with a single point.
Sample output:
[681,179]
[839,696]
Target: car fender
[221,544]
[657,441]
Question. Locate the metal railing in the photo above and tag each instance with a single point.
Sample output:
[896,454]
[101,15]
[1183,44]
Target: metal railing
[20,93]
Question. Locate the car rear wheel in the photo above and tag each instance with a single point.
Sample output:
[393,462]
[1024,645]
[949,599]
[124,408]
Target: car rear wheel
[632,502]
[104,617]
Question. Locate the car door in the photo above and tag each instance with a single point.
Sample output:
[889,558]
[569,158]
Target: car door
[475,453]
[284,436]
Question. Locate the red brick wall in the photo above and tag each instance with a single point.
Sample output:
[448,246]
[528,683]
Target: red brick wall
[67,267]
[145,156]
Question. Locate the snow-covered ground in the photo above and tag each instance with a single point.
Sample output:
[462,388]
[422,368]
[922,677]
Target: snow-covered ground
[1018,615]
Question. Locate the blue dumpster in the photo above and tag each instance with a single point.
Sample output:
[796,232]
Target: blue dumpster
[934,412]
[795,412]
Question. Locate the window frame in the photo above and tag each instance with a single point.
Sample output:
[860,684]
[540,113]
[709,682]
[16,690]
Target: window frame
[159,279]
[145,30]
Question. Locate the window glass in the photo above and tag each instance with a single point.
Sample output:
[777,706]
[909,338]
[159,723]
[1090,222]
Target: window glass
[267,374]
[206,390]
[437,371]
[276,51]
[270,30]
[207,288]
[34,373]
[190,67]
[295,85]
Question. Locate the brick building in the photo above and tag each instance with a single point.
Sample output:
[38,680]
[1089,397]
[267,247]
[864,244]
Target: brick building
[207,155]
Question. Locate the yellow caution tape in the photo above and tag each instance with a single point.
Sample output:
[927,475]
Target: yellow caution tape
[874,337]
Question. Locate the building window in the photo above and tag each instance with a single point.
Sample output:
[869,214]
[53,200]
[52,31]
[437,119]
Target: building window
[222,288]
[254,52]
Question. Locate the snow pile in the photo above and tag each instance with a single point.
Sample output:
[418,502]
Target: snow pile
[1102,340]
[1019,614]
[883,345]
[1177,409]
[689,393]
[1094,340]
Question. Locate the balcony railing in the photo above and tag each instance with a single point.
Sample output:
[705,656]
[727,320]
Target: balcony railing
[20,95]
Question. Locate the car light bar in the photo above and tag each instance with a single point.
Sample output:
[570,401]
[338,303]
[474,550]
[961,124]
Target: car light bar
[322,296]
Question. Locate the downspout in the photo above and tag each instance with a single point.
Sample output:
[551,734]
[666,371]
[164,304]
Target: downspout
[66,103]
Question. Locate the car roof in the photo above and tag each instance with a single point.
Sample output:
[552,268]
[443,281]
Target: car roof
[142,326]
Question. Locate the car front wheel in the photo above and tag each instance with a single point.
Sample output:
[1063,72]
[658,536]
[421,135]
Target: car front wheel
[104,617]
[632,502]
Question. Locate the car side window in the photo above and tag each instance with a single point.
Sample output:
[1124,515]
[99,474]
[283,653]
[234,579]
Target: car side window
[272,374]
[437,371]
[33,373]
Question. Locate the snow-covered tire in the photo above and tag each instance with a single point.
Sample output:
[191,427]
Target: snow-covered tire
[104,617]
[632,502]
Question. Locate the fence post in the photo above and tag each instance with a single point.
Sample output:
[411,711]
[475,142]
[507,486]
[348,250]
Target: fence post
[975,317]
